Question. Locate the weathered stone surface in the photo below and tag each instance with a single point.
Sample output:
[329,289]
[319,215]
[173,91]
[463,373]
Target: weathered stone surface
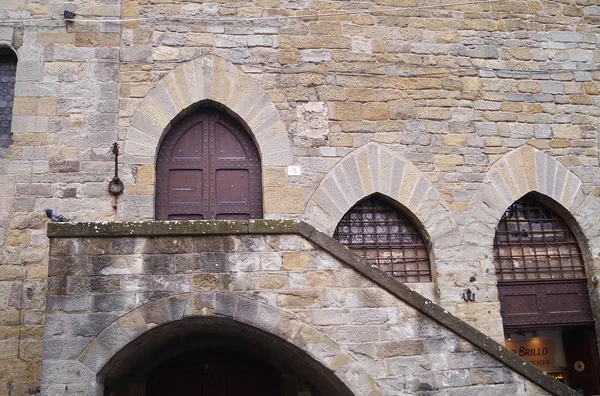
[365,315]
[312,120]
[453,92]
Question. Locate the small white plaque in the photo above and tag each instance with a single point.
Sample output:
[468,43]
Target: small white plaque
[294,170]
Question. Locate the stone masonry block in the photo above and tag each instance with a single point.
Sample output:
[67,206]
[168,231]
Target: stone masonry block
[328,204]
[306,337]
[264,120]
[329,317]
[178,89]
[286,327]
[156,312]
[225,304]
[298,299]
[64,348]
[284,200]
[267,317]
[95,356]
[345,111]
[246,311]
[205,282]
[452,379]
[177,306]
[565,131]
[67,372]
[68,303]
[400,348]
[296,260]
[246,92]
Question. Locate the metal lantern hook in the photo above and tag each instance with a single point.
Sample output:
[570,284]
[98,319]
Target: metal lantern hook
[115,186]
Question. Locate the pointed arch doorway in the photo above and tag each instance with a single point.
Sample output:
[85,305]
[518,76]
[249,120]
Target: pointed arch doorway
[208,168]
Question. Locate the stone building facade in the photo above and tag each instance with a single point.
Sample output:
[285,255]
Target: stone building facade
[452,112]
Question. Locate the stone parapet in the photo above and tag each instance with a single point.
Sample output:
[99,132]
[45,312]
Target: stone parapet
[104,275]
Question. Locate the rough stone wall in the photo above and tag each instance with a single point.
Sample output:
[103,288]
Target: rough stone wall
[104,292]
[451,90]
[64,119]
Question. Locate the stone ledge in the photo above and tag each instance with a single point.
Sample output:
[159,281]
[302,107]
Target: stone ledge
[172,228]
[387,282]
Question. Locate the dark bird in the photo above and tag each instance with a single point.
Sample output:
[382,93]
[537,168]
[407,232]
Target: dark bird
[55,216]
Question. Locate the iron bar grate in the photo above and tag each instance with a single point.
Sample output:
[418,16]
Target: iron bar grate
[533,242]
[8,71]
[385,237]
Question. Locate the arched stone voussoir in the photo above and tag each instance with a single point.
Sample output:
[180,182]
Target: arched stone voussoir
[273,320]
[369,170]
[209,78]
[520,172]
[130,326]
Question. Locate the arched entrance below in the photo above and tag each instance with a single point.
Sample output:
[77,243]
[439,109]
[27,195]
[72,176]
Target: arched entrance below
[215,357]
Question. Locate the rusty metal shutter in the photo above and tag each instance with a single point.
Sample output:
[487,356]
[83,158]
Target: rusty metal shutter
[539,304]
[208,168]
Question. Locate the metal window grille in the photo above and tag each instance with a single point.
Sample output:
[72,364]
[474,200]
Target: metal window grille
[533,242]
[8,72]
[386,238]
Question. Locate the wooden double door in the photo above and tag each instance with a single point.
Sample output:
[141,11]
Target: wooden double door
[208,168]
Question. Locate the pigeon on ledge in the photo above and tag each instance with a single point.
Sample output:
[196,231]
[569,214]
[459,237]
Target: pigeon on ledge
[55,216]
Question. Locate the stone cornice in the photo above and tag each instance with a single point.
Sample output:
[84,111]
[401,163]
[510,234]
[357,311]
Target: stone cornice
[385,281]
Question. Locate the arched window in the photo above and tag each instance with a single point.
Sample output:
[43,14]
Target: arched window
[544,299]
[533,242]
[539,267]
[8,73]
[387,238]
[208,168]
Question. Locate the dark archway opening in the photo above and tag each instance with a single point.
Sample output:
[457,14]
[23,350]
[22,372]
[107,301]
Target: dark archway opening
[213,371]
[215,357]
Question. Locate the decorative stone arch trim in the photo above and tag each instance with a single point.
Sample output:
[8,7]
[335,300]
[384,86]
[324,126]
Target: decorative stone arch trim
[376,169]
[241,309]
[525,170]
[7,39]
[207,78]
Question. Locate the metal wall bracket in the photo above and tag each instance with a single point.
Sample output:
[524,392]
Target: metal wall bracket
[115,186]
[468,295]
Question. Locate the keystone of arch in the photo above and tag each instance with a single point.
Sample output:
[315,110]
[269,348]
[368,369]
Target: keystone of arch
[207,78]
[377,169]
[241,309]
[525,170]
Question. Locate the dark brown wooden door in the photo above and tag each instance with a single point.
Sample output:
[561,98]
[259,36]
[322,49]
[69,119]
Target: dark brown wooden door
[214,374]
[581,353]
[208,168]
